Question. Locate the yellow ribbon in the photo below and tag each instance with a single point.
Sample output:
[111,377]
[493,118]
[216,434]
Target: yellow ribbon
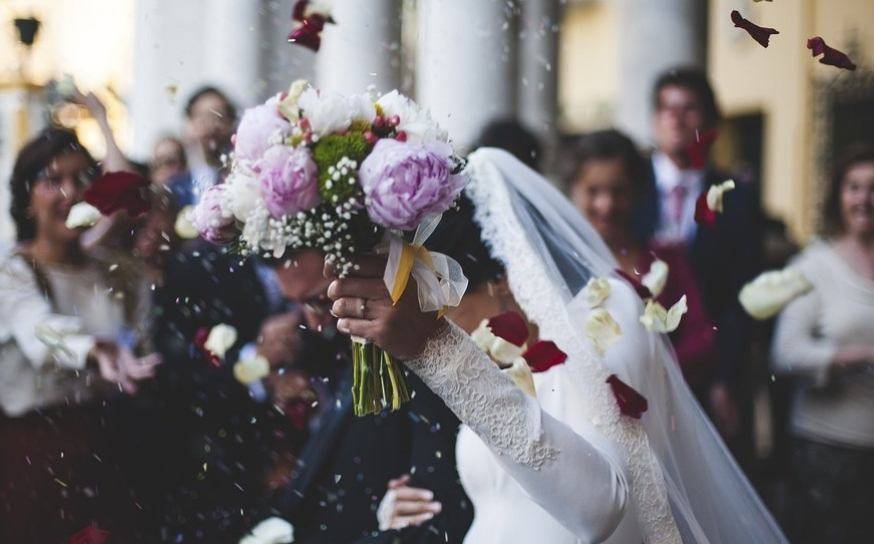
[409,254]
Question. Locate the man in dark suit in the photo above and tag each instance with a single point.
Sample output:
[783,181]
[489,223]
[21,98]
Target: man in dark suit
[724,257]
[344,468]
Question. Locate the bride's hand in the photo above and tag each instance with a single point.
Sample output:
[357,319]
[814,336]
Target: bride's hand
[405,506]
[364,308]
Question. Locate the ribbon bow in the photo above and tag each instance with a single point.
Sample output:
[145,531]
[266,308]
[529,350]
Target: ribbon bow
[440,280]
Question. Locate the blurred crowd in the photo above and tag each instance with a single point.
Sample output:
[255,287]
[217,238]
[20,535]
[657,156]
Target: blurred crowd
[114,415]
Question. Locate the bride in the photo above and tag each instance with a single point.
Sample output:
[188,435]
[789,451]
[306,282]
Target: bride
[565,466]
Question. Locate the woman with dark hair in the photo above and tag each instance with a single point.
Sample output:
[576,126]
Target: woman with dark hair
[65,343]
[826,339]
[606,182]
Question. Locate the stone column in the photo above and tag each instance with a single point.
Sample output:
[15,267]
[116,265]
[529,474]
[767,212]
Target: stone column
[362,48]
[655,35]
[232,32]
[466,63]
[537,85]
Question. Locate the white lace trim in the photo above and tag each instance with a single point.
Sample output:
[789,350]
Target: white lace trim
[506,419]
[545,305]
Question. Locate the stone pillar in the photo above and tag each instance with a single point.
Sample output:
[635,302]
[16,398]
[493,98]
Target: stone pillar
[232,32]
[22,115]
[655,35]
[537,85]
[466,63]
[362,48]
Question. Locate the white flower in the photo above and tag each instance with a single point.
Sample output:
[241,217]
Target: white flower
[521,375]
[362,107]
[288,106]
[602,330]
[716,193]
[183,226]
[655,279]
[597,290]
[82,214]
[500,350]
[415,120]
[766,295]
[270,531]
[329,112]
[241,196]
[655,318]
[251,370]
[220,339]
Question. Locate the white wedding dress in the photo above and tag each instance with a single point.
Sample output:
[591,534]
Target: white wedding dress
[567,467]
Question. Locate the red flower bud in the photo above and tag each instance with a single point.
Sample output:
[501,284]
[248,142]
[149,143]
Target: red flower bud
[394,120]
[371,137]
[401,136]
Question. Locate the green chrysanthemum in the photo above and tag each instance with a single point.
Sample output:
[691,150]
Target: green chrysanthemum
[338,157]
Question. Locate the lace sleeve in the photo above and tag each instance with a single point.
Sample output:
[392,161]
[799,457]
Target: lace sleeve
[577,478]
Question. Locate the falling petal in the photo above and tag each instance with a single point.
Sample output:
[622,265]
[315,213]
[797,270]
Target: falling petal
[251,370]
[544,355]
[631,403]
[597,290]
[759,33]
[830,55]
[220,339]
[602,330]
[656,278]
[115,191]
[657,319]
[771,291]
[82,215]
[521,375]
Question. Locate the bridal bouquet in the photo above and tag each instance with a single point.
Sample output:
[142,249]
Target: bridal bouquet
[346,175]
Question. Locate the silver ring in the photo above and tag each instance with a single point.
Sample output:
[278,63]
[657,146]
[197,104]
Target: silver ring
[363,308]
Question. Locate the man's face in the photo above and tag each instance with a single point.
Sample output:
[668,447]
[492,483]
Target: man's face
[302,280]
[678,117]
[210,123]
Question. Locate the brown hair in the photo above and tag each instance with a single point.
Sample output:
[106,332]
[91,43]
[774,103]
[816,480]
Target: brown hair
[693,80]
[832,220]
[33,158]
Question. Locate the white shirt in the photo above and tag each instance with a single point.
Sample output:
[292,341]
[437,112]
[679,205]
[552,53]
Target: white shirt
[676,226]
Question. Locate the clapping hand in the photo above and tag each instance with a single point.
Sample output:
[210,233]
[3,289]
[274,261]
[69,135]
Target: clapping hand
[405,506]
[117,364]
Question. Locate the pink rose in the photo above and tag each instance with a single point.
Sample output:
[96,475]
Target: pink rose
[404,182]
[288,180]
[260,128]
[210,220]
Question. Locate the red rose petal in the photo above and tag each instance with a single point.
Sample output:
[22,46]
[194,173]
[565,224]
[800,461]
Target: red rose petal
[704,216]
[641,289]
[699,150]
[511,327]
[631,403]
[309,32]
[830,55]
[759,33]
[117,191]
[544,355]
[91,534]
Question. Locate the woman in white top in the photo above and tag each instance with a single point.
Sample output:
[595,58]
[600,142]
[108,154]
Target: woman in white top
[826,339]
[63,317]
[570,465]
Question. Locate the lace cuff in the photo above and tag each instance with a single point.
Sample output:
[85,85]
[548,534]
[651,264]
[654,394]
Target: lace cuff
[483,397]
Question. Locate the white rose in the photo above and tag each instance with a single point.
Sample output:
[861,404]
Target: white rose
[521,375]
[766,295]
[501,351]
[597,290]
[716,193]
[183,226]
[270,531]
[602,330]
[220,339]
[251,370]
[656,278]
[657,319]
[288,106]
[362,108]
[327,112]
[82,214]
[241,196]
[415,120]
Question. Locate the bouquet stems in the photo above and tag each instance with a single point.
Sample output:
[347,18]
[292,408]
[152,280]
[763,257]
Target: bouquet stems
[377,381]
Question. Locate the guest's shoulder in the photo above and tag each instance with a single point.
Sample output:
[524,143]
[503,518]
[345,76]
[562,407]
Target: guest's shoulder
[12,262]
[816,259]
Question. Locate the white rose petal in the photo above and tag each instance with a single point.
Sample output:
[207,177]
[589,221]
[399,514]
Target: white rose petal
[521,375]
[766,295]
[220,339]
[362,108]
[597,290]
[655,318]
[501,351]
[251,370]
[415,120]
[241,196]
[716,193]
[602,330]
[483,336]
[270,531]
[288,106]
[656,278]
[183,226]
[327,112]
[82,214]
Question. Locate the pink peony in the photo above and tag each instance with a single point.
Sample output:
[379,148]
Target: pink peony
[210,220]
[288,180]
[260,128]
[404,182]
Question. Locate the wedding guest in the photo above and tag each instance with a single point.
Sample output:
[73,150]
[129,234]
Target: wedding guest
[722,258]
[66,322]
[348,461]
[826,340]
[168,160]
[511,135]
[210,118]
[606,181]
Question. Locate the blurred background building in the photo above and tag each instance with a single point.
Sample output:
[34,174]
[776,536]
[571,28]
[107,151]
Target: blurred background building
[562,67]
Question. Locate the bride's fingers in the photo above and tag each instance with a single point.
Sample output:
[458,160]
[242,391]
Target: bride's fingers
[357,287]
[400,481]
[361,328]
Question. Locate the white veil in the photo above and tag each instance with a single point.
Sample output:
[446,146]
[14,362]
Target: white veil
[549,252]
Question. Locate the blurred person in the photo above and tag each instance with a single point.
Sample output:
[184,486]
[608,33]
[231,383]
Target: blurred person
[722,258]
[606,182]
[825,339]
[66,323]
[511,135]
[168,160]
[210,118]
